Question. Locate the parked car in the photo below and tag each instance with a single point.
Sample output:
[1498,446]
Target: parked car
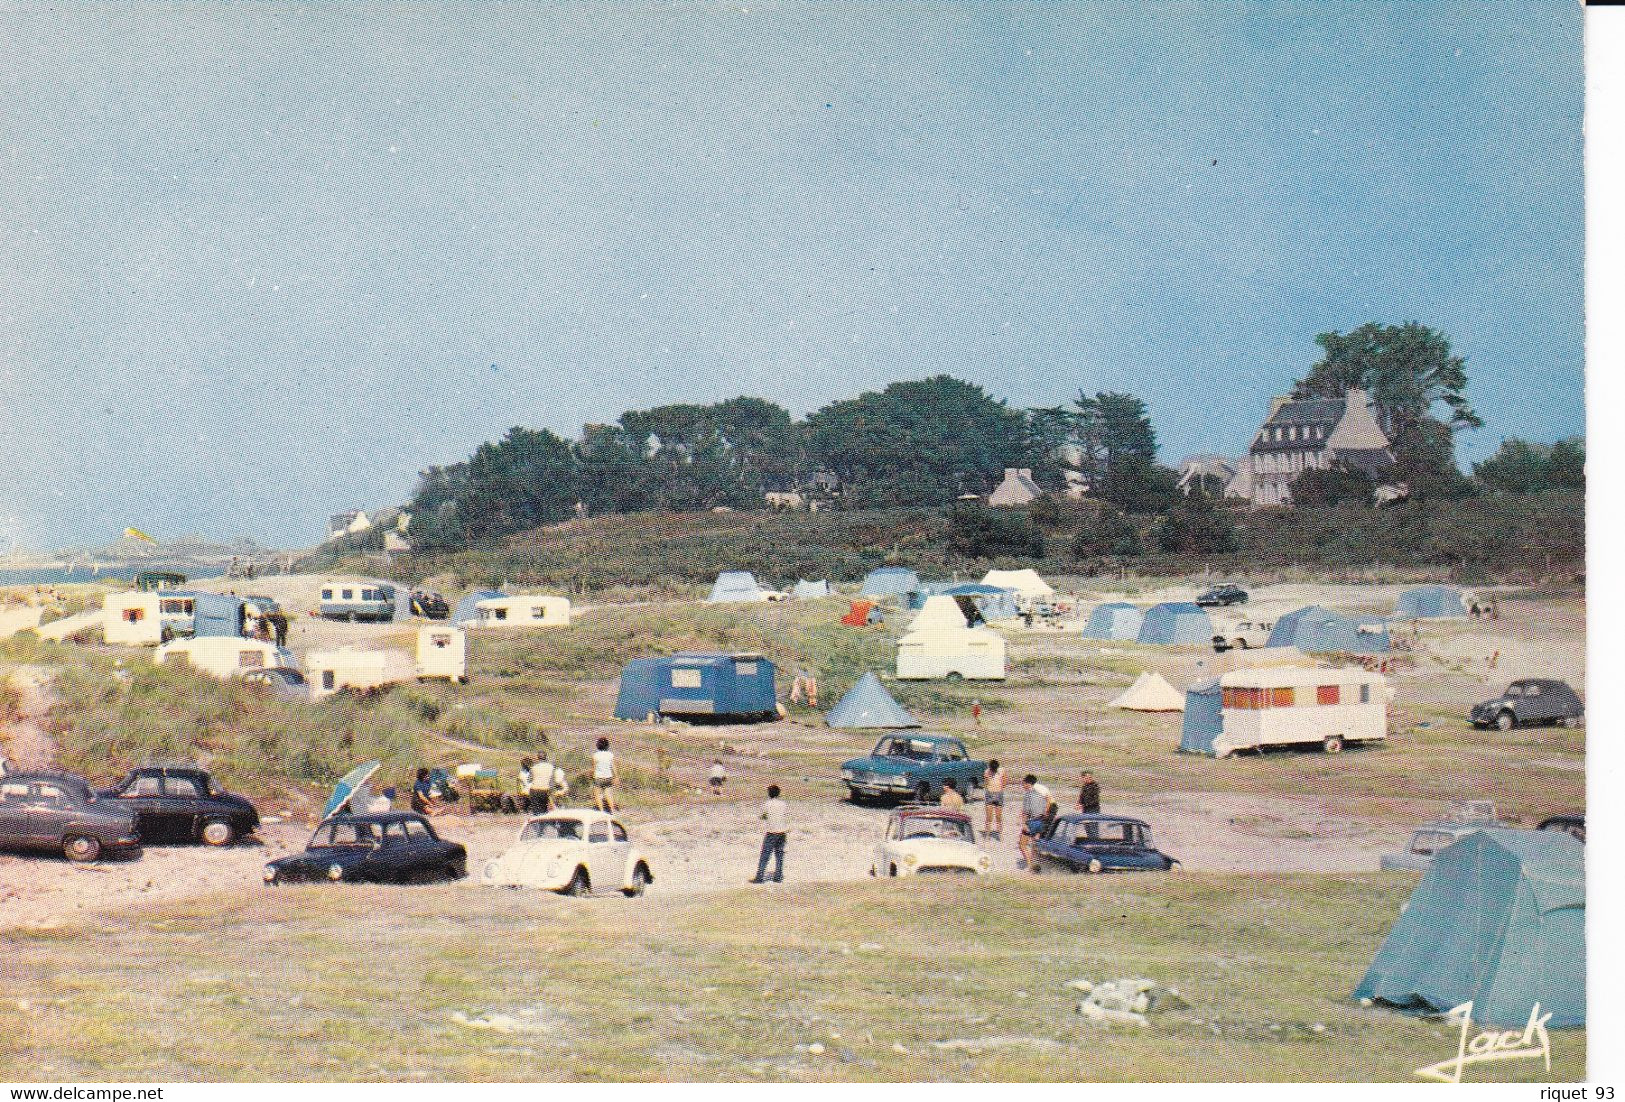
[1573,824]
[921,841]
[1243,635]
[1533,700]
[429,605]
[910,766]
[573,853]
[1221,595]
[183,804]
[59,812]
[282,682]
[1428,840]
[395,847]
[1097,843]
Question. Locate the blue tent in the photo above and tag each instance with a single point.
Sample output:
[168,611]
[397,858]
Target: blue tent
[1430,602]
[993,602]
[465,612]
[735,585]
[1177,623]
[1116,620]
[216,614]
[705,684]
[1204,717]
[916,597]
[1499,919]
[1316,630]
[868,705]
[890,581]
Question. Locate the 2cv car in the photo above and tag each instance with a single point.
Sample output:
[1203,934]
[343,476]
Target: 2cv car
[921,841]
[575,852]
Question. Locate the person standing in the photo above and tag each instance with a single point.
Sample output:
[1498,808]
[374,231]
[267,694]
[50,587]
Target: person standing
[546,784]
[718,777]
[776,813]
[1088,794]
[1037,808]
[993,800]
[525,765]
[951,800]
[603,777]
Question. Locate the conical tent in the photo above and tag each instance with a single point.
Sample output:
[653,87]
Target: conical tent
[1150,693]
[809,591]
[1499,920]
[1116,620]
[868,705]
[1316,630]
[1204,717]
[467,610]
[736,585]
[1430,602]
[890,581]
[1176,624]
[940,612]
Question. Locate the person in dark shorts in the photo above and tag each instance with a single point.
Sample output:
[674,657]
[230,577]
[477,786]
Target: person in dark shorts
[718,777]
[993,800]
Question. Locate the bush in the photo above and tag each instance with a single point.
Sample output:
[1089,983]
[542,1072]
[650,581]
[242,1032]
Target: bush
[982,533]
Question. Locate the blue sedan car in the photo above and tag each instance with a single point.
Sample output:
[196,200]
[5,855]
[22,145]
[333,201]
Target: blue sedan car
[1096,843]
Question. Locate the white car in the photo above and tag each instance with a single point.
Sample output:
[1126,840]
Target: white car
[1244,634]
[574,853]
[925,840]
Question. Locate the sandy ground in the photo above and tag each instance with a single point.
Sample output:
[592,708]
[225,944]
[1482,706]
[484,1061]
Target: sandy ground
[27,743]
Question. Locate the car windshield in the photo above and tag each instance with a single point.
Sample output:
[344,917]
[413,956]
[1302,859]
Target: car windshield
[913,748]
[561,829]
[343,834]
[1514,690]
[935,826]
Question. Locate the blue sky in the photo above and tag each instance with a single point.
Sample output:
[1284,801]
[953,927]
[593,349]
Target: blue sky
[267,261]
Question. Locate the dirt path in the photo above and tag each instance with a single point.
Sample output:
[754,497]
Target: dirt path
[27,743]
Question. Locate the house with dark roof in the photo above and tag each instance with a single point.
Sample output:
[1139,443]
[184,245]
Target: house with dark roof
[1309,433]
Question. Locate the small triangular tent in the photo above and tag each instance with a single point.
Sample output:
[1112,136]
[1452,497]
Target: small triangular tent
[1204,717]
[1150,693]
[467,610]
[1430,602]
[942,612]
[736,585]
[890,581]
[1315,630]
[810,591]
[1115,620]
[1499,919]
[868,705]
[1026,583]
[1178,624]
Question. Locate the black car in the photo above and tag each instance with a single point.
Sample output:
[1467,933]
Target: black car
[396,847]
[430,606]
[60,812]
[282,682]
[1096,843]
[1533,700]
[1221,595]
[181,804]
[1574,825]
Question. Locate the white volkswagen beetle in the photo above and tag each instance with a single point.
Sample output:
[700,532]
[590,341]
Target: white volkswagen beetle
[572,852]
[924,840]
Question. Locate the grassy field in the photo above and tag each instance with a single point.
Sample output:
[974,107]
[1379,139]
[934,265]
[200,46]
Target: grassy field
[921,981]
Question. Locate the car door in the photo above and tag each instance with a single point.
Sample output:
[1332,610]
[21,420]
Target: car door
[620,845]
[144,795]
[14,815]
[185,803]
[601,857]
[1061,845]
[50,806]
[1537,704]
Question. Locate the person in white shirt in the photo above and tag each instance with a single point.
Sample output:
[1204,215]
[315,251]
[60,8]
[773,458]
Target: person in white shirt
[719,777]
[603,777]
[776,813]
[1037,809]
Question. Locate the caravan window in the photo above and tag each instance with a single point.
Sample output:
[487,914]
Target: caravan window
[685,677]
[745,669]
[1279,698]
[327,594]
[328,681]
[134,615]
[176,606]
[1327,694]
[499,614]
[348,594]
[441,641]
[538,612]
[1365,694]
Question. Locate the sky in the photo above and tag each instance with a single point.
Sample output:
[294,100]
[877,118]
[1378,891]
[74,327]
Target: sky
[268,261]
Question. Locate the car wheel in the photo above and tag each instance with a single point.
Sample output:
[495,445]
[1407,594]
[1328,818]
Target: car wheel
[217,832]
[81,849]
[455,871]
[955,675]
[349,617]
[1505,721]
[858,798]
[1242,643]
[640,883]
[579,884]
[1095,865]
[1333,744]
[894,870]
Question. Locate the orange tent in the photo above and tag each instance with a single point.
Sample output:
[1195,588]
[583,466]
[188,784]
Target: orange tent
[859,616]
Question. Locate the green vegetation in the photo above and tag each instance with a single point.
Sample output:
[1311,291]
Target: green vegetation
[1524,468]
[927,980]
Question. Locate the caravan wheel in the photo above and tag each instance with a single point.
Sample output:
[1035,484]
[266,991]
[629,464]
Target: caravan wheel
[1333,744]
[955,675]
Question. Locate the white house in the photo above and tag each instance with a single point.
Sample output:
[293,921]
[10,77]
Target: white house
[1310,433]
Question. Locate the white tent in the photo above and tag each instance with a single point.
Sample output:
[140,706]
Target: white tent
[1151,693]
[1026,583]
[939,612]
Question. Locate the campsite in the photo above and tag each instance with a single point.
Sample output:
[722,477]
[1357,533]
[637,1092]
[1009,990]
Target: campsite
[1280,839]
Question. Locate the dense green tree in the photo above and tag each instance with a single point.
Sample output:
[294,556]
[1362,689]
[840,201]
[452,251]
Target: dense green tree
[1335,485]
[1524,468]
[1410,371]
[982,533]
[1195,526]
[1108,533]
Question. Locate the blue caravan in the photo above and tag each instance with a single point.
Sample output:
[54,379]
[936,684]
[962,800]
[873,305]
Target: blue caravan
[699,685]
[1204,717]
[1176,624]
[890,581]
[214,614]
[1316,630]
[1115,620]
[1430,602]
[358,601]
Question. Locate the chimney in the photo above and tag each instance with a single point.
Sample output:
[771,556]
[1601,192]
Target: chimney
[1026,472]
